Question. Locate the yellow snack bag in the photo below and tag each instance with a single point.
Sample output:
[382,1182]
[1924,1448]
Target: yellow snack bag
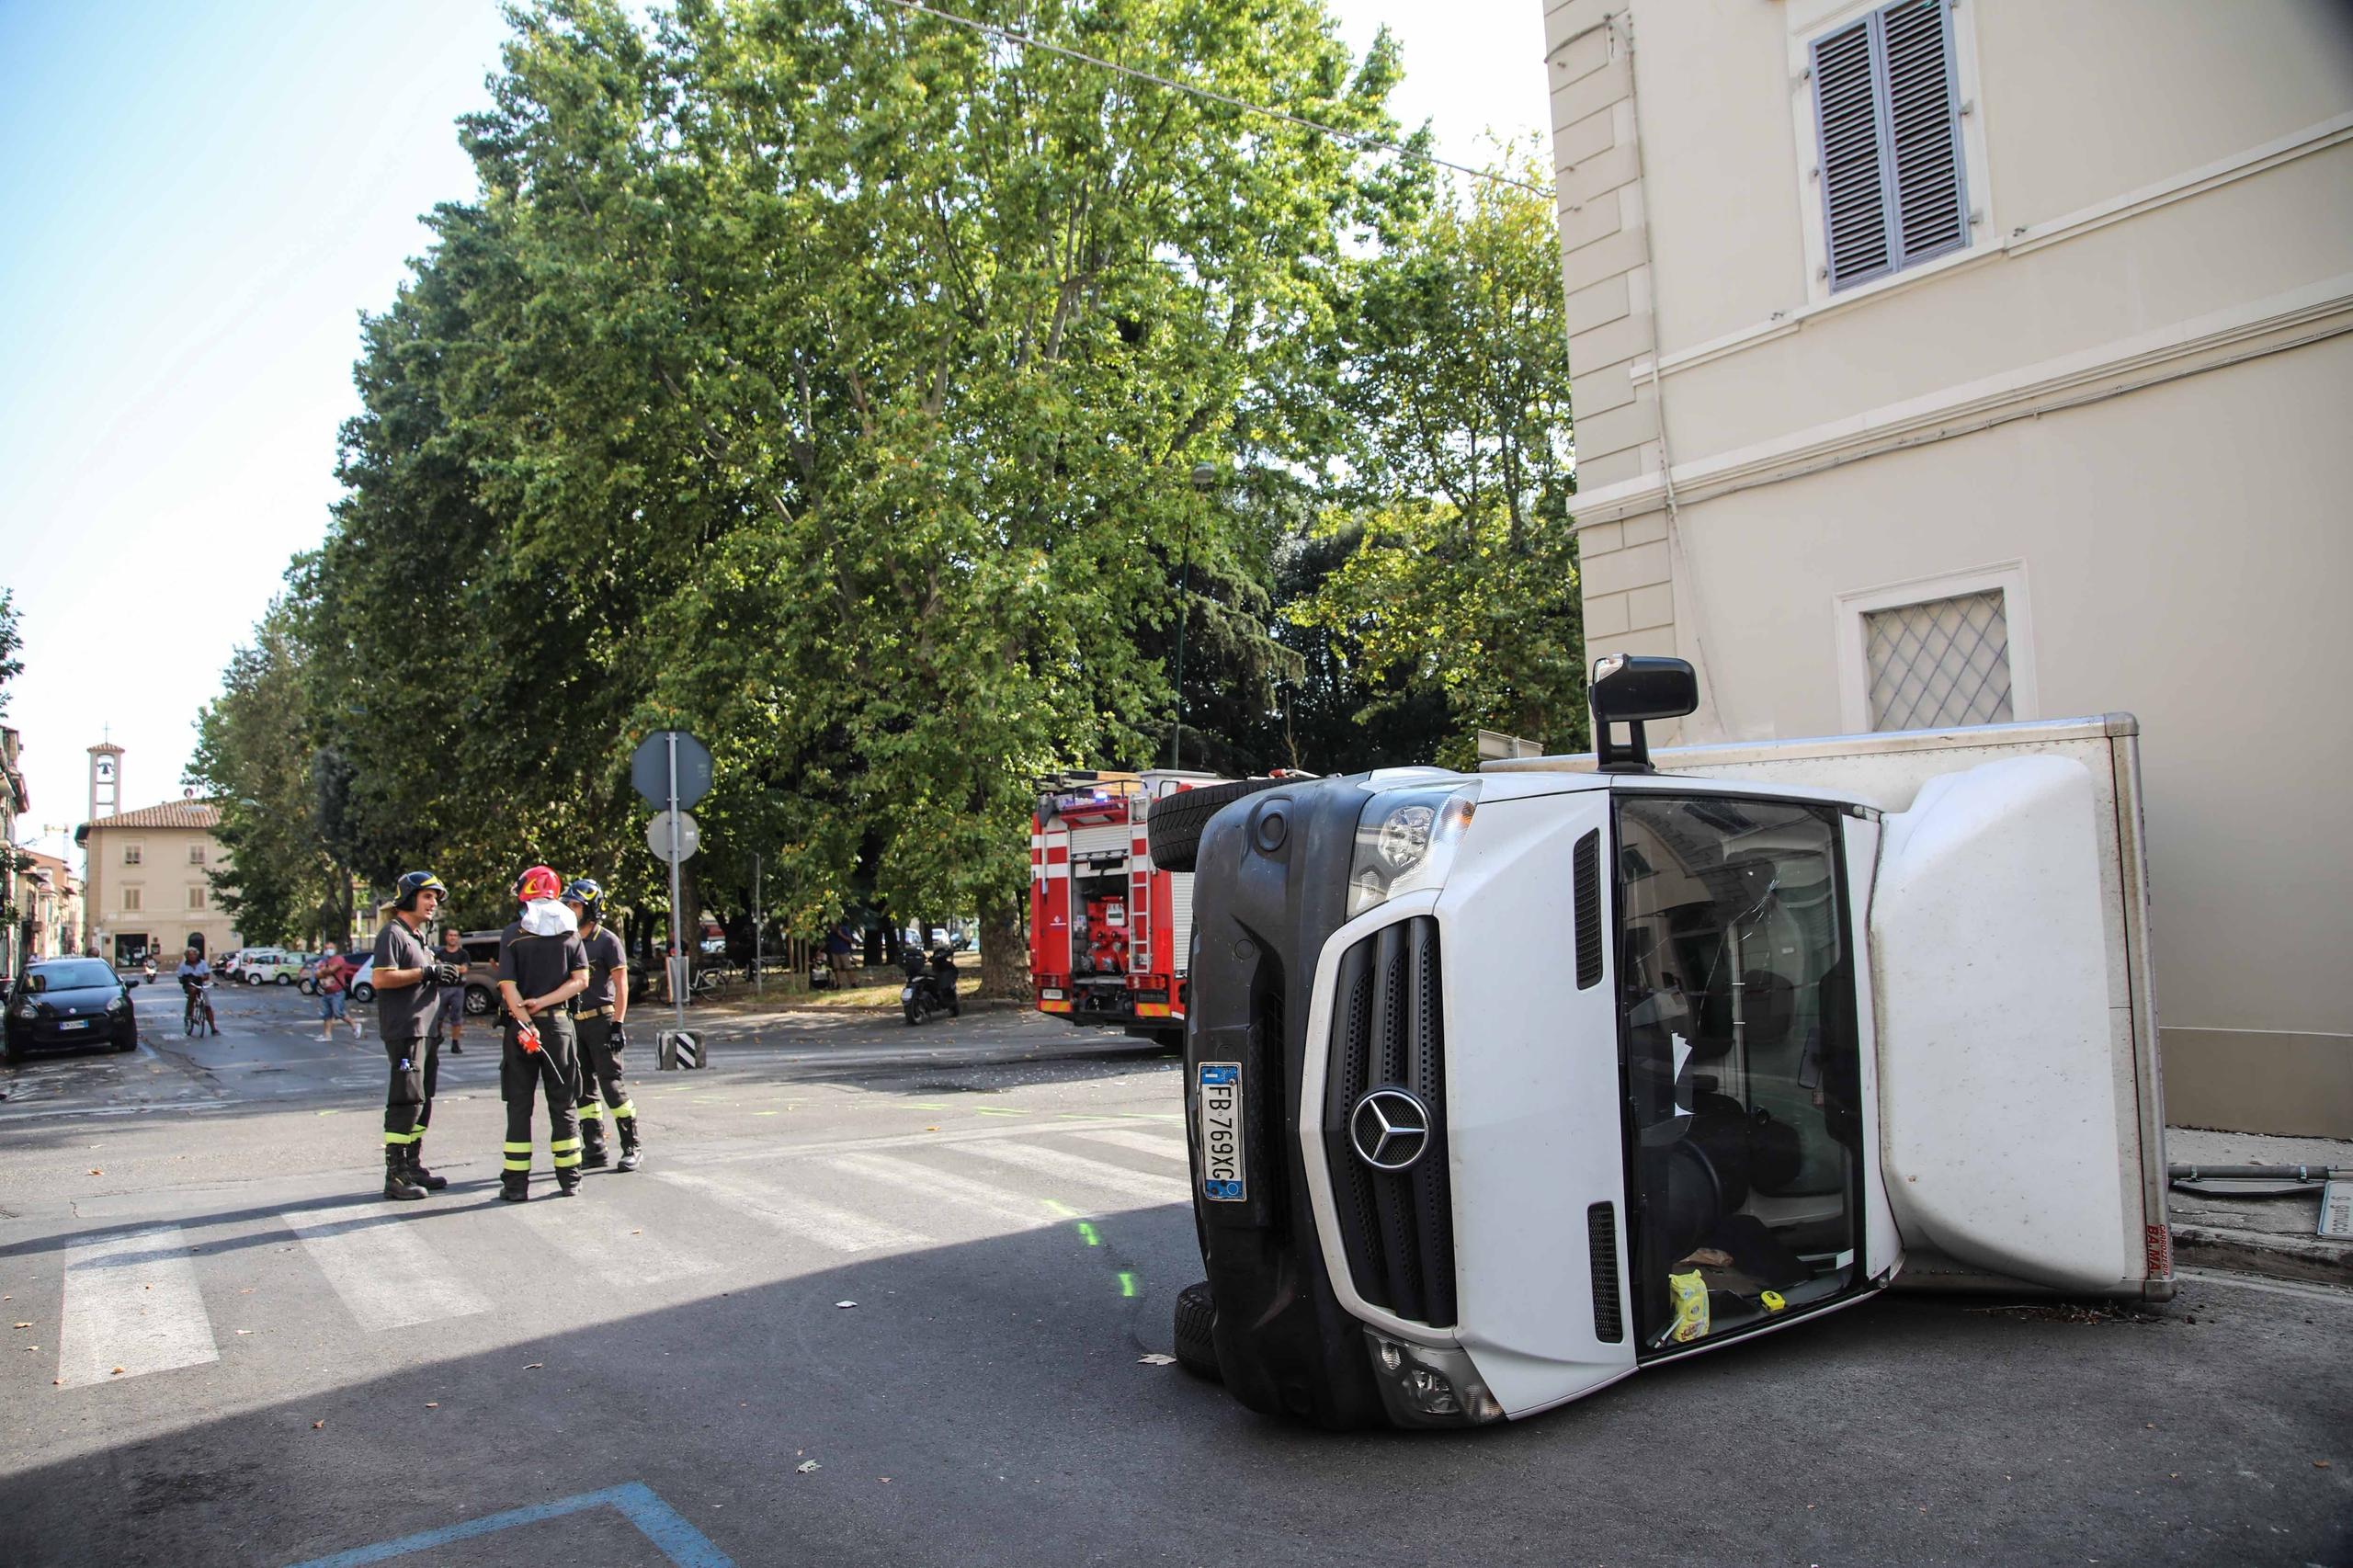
[1691,1306]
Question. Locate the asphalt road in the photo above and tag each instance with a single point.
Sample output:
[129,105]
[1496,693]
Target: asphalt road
[230,1352]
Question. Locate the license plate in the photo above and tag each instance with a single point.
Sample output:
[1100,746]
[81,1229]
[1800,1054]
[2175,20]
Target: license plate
[1220,1101]
[74,1024]
[1052,993]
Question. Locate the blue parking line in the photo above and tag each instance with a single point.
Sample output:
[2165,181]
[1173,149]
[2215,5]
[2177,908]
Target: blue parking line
[656,1520]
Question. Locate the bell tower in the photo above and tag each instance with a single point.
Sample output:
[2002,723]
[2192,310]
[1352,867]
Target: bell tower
[105,780]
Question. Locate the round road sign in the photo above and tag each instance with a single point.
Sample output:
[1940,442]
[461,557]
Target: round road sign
[673,836]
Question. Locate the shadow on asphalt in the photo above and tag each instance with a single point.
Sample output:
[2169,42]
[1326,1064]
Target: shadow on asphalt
[984,1403]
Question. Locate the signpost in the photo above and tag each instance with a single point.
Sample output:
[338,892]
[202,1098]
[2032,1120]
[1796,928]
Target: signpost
[672,770]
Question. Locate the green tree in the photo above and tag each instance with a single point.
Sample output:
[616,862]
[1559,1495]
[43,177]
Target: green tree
[1461,568]
[253,758]
[12,643]
[829,382]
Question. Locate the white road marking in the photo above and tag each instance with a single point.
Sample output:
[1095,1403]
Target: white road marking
[1171,1147]
[131,1307]
[913,1177]
[596,1238]
[799,1215]
[1100,1174]
[381,1267]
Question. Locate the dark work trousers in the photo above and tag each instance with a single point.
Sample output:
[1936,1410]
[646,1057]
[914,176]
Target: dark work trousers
[602,1085]
[408,1103]
[551,1072]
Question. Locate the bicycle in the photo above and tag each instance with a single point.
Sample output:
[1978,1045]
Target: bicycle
[196,1014]
[707,982]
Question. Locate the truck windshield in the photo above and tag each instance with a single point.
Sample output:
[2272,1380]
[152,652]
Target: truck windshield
[1742,1067]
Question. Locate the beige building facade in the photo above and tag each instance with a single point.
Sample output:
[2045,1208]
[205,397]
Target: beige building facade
[1970,361]
[145,882]
[48,896]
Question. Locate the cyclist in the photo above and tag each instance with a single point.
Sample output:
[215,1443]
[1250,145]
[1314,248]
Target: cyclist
[194,974]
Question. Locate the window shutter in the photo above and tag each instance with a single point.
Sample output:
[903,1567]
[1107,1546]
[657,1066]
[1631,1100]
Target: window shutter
[1926,125]
[1854,184]
[1890,125]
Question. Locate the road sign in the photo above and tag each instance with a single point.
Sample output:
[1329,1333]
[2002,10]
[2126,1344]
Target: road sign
[673,836]
[649,770]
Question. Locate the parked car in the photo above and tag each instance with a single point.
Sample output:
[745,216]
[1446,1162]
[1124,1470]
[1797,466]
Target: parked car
[60,1004]
[362,990]
[257,966]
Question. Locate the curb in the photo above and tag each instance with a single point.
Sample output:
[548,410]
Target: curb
[2312,1259]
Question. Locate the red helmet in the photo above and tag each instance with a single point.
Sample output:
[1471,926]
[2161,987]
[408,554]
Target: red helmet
[537,883]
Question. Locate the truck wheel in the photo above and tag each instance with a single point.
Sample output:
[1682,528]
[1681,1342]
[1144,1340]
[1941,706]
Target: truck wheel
[1176,822]
[1196,1316]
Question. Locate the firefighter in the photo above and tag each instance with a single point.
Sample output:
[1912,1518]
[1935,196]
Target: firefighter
[405,977]
[600,1011]
[541,966]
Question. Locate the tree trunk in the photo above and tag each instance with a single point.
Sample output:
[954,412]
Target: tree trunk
[1005,957]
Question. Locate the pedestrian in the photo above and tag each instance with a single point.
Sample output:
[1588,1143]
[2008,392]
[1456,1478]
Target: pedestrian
[406,976]
[600,1013]
[334,993]
[839,943]
[449,1000]
[541,966]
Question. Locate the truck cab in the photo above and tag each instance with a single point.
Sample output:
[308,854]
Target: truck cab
[1503,1086]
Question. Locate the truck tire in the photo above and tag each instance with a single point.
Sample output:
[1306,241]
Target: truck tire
[1196,1316]
[1176,824]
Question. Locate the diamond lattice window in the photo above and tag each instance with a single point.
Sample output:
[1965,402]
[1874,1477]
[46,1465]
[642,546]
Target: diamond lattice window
[1944,662]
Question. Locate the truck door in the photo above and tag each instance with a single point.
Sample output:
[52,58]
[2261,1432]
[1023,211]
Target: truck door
[2004,1027]
[1747,1136]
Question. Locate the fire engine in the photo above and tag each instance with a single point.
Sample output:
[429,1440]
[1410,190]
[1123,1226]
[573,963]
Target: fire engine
[1108,930]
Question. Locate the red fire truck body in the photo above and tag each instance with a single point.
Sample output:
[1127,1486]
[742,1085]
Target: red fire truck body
[1108,930]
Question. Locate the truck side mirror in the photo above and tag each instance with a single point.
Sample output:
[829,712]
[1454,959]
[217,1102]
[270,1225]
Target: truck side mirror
[1629,689]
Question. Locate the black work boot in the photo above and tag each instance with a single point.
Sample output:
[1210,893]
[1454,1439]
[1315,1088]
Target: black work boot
[567,1182]
[515,1186]
[633,1150]
[397,1183]
[418,1173]
[592,1144]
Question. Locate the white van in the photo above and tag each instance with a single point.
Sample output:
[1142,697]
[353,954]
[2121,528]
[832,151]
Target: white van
[1504,1086]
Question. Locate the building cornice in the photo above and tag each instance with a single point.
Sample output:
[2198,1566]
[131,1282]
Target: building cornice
[2023,241]
[2204,343]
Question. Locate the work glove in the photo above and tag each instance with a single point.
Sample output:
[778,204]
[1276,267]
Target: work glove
[619,1039]
[443,973]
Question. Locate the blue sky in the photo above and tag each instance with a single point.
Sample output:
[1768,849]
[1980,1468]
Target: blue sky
[198,202]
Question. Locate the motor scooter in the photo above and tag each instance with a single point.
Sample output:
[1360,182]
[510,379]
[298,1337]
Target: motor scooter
[929,991]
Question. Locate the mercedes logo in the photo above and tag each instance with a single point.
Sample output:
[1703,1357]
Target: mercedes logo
[1390,1129]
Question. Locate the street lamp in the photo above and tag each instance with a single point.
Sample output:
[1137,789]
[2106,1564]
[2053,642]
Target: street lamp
[1204,476]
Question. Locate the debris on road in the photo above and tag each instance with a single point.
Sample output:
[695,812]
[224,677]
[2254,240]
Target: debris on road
[805,1466]
[1154,1358]
[845,1303]
[315,1425]
[535,1365]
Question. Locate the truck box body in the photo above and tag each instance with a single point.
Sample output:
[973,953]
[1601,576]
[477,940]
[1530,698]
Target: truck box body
[1503,1085]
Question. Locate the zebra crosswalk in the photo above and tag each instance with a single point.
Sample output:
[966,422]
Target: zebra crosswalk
[133,1300]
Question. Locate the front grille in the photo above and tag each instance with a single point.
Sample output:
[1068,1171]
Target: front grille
[1388,1030]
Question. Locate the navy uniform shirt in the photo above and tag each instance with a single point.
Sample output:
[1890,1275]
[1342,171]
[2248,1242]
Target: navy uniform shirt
[400,1014]
[605,955]
[538,965]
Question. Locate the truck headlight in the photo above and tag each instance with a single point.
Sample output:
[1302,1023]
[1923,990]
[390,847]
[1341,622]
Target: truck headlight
[1405,841]
[1423,1386]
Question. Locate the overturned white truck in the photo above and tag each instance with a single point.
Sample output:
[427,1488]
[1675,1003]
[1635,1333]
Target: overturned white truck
[1503,1086]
